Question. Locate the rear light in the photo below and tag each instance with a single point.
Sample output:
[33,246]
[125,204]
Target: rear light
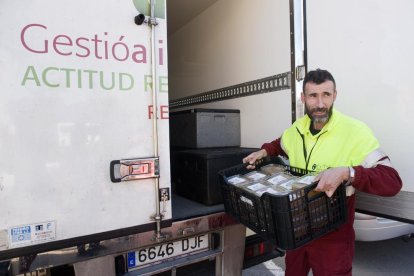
[258,250]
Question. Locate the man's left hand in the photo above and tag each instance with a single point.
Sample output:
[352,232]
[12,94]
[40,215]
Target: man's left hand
[330,179]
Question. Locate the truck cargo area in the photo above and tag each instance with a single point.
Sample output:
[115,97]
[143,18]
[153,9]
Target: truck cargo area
[195,181]
[184,208]
[195,55]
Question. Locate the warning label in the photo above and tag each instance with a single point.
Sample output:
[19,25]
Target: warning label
[32,234]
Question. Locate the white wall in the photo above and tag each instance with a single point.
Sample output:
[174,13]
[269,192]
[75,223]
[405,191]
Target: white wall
[368,47]
[232,42]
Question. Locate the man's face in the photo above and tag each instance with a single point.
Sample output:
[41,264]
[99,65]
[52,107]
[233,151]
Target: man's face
[318,100]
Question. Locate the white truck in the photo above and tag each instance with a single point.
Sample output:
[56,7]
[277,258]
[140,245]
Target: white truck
[85,158]
[86,90]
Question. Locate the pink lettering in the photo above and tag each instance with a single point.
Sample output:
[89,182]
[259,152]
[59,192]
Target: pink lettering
[23,39]
[80,45]
[96,46]
[63,40]
[163,110]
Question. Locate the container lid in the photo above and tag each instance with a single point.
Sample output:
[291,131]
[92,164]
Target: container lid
[213,153]
[205,110]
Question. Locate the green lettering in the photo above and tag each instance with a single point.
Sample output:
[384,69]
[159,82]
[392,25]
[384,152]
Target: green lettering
[102,81]
[31,75]
[163,84]
[121,81]
[68,71]
[90,72]
[79,78]
[44,76]
[147,83]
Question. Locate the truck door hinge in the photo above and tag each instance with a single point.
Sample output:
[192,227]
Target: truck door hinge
[300,72]
[142,19]
[164,197]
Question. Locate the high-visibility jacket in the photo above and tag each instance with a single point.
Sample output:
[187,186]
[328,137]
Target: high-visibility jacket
[343,141]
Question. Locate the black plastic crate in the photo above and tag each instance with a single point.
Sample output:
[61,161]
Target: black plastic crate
[289,220]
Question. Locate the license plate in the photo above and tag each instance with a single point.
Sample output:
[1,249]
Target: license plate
[165,251]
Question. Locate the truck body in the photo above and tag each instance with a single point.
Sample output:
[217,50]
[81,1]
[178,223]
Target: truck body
[367,48]
[86,91]
[84,159]
[85,167]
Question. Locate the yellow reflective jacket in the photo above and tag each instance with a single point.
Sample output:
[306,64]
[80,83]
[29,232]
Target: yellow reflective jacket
[343,141]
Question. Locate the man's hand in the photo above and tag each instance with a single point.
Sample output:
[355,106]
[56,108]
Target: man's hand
[251,158]
[330,179]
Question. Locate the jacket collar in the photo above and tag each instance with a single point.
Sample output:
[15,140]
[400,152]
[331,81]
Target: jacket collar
[303,124]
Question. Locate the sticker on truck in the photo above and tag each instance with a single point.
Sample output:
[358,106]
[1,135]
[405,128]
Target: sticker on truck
[149,255]
[31,234]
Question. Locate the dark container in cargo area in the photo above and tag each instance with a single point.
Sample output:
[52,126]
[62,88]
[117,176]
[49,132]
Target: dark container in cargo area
[194,172]
[205,128]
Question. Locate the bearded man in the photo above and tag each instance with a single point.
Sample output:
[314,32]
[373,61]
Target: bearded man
[342,150]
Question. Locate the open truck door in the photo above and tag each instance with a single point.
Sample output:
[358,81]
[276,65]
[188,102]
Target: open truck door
[80,156]
[366,46]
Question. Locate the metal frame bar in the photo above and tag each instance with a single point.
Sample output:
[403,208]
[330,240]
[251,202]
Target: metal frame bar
[298,54]
[259,86]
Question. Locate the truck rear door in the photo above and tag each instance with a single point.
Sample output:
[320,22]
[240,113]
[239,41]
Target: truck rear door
[76,95]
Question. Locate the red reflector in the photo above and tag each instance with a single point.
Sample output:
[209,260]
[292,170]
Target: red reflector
[255,250]
[261,248]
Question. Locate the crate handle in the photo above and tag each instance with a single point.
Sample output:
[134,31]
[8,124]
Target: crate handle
[265,161]
[312,194]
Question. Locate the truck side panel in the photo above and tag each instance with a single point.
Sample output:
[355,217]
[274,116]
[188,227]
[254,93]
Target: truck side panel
[76,95]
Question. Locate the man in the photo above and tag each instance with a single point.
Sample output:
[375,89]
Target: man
[341,149]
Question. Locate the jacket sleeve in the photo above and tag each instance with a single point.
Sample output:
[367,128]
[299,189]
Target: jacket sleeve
[380,180]
[274,148]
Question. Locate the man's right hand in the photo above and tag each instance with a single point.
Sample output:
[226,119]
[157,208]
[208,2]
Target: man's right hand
[253,157]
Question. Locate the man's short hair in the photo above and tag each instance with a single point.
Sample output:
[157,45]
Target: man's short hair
[318,76]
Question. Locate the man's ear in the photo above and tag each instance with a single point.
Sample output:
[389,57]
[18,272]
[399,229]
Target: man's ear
[334,95]
[302,98]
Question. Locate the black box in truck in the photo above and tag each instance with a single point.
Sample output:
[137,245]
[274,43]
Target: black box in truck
[205,128]
[194,172]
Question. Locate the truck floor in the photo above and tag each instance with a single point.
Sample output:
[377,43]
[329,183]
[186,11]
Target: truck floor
[183,208]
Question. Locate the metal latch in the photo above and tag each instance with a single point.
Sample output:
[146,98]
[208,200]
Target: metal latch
[300,72]
[134,169]
[164,196]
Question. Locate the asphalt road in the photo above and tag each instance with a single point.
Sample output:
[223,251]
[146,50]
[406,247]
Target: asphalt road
[381,258]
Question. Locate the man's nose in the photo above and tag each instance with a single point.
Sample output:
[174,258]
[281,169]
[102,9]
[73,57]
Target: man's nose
[319,102]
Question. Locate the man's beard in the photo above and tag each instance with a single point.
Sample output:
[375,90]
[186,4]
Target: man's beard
[319,119]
